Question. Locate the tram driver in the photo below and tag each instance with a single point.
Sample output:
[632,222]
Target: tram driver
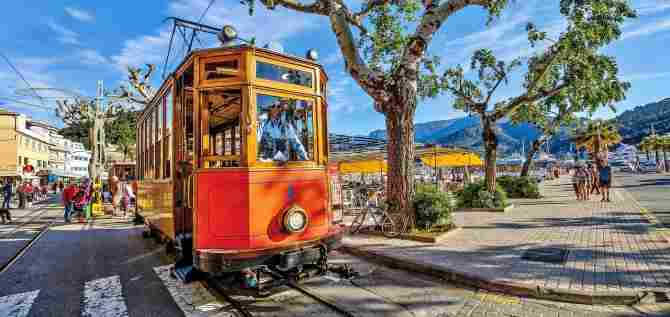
[279,138]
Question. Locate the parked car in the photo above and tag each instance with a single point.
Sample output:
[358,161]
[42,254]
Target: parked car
[626,169]
[648,167]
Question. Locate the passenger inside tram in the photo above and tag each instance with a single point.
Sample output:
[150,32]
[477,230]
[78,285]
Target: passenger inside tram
[279,140]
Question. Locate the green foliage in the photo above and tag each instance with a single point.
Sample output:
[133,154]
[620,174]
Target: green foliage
[121,131]
[475,195]
[519,187]
[433,207]
[78,132]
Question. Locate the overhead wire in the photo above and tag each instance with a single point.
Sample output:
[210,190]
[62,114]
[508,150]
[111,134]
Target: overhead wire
[18,72]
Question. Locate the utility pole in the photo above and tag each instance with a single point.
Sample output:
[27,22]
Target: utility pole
[97,136]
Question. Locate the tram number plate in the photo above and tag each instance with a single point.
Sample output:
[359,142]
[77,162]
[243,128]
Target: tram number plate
[289,260]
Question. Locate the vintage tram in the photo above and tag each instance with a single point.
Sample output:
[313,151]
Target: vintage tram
[232,161]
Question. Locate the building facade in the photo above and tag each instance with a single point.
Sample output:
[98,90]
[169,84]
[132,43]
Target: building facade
[76,159]
[24,153]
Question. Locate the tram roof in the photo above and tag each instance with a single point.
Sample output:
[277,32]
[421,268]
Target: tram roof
[210,50]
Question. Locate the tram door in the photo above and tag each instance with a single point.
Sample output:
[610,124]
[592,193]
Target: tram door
[184,146]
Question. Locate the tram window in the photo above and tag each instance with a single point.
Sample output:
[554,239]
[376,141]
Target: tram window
[224,108]
[286,129]
[167,141]
[221,70]
[283,74]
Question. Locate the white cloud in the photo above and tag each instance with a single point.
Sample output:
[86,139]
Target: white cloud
[92,57]
[507,38]
[146,49]
[645,29]
[645,76]
[333,58]
[65,35]
[264,25]
[651,7]
[339,93]
[80,14]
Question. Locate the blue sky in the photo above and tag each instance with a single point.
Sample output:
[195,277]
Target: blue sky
[72,44]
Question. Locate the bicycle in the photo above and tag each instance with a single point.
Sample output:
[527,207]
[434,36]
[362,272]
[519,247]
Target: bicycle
[379,218]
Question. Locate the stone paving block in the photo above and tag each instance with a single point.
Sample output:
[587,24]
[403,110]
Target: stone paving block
[612,246]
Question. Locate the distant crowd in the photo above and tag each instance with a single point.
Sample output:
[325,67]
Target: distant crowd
[592,179]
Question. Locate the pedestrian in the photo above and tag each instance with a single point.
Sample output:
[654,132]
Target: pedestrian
[68,201]
[605,177]
[61,186]
[575,182]
[117,194]
[595,181]
[23,197]
[28,191]
[7,193]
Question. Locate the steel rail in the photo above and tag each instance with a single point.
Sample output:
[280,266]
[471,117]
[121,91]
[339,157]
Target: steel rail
[17,256]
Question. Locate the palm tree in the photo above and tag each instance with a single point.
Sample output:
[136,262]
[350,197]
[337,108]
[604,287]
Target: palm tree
[653,142]
[665,145]
[597,135]
[645,146]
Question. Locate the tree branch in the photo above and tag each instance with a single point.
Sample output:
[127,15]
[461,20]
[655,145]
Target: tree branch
[430,23]
[489,94]
[318,6]
[525,98]
[371,81]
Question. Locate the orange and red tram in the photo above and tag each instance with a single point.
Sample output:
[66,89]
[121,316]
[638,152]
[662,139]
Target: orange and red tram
[232,162]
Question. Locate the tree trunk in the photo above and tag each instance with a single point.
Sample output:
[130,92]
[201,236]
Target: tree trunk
[529,157]
[658,157]
[665,160]
[648,158]
[491,147]
[400,184]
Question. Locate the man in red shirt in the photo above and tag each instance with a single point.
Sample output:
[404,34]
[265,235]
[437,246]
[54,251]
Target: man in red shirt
[68,196]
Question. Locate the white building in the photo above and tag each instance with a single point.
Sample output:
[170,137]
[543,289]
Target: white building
[76,159]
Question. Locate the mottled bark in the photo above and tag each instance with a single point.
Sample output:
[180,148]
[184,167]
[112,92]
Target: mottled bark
[529,157]
[491,149]
[400,184]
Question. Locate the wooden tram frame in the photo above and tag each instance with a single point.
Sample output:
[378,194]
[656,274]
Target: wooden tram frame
[177,190]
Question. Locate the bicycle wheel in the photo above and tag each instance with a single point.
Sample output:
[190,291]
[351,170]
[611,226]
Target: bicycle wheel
[389,228]
[358,222]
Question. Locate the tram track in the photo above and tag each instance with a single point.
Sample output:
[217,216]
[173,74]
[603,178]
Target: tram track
[245,307]
[40,231]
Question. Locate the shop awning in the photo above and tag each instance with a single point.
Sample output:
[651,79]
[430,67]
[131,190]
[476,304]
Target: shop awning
[363,166]
[453,159]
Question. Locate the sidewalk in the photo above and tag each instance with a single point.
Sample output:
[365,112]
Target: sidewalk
[615,254]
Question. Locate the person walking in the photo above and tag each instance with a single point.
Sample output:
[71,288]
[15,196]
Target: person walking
[7,193]
[61,186]
[117,194]
[21,190]
[69,194]
[605,177]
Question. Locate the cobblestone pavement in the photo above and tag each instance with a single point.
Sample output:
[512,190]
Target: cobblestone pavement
[612,246]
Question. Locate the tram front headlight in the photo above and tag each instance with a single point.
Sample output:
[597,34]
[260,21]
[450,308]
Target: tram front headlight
[295,220]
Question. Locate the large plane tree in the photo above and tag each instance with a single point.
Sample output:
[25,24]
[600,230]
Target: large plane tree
[385,45]
[567,72]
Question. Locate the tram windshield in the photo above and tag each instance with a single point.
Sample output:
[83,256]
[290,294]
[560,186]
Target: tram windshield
[286,131]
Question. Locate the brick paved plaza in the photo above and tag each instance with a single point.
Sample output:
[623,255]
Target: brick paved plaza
[613,247]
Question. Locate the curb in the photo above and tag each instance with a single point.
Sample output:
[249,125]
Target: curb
[509,288]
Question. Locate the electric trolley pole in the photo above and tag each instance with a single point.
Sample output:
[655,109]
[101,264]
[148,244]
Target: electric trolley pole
[97,136]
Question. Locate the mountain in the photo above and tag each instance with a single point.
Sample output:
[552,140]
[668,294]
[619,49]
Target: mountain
[636,123]
[466,131]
